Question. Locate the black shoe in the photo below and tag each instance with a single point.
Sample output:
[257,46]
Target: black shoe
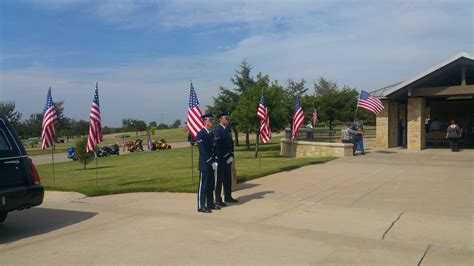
[220,204]
[231,200]
[362,153]
[205,210]
[214,207]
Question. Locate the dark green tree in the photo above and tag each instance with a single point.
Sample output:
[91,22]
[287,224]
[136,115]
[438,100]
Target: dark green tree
[242,78]
[80,127]
[83,156]
[176,123]
[334,104]
[226,101]
[7,109]
[296,88]
[275,97]
[162,126]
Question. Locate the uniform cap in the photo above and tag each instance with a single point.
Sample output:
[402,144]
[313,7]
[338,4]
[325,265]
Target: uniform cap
[225,115]
[207,116]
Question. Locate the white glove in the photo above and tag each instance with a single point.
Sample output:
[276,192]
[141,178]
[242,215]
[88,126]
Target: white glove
[214,166]
[229,161]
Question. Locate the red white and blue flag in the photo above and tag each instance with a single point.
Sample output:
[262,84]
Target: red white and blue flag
[49,118]
[369,103]
[149,142]
[195,123]
[95,126]
[262,114]
[298,118]
[315,116]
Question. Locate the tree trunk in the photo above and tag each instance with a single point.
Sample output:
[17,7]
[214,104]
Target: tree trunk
[236,138]
[247,139]
[85,165]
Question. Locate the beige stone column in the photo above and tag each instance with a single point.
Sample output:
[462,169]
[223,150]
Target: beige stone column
[381,129]
[392,124]
[402,110]
[387,126]
[416,124]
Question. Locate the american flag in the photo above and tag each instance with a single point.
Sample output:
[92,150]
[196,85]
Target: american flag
[195,123]
[315,115]
[49,118]
[369,103]
[149,142]
[95,131]
[262,114]
[298,118]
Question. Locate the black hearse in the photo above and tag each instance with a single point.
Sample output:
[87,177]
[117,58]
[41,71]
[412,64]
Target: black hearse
[20,185]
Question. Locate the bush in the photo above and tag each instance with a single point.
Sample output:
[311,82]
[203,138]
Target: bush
[83,156]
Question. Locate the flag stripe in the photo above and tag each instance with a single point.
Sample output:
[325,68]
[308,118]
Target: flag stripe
[95,124]
[369,103]
[49,118]
[195,123]
[262,114]
[298,118]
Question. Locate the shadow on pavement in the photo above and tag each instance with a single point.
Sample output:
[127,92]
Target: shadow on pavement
[254,196]
[242,186]
[38,221]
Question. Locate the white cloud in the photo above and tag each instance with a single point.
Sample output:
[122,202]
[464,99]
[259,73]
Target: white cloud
[361,45]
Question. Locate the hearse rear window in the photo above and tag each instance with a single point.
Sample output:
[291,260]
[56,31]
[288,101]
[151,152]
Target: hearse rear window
[4,146]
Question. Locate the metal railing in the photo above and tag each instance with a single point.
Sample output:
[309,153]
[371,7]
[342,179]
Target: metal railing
[323,135]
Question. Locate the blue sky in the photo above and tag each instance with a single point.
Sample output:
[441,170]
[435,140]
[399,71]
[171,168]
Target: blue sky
[143,53]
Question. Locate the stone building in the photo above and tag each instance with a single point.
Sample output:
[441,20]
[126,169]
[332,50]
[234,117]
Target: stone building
[418,110]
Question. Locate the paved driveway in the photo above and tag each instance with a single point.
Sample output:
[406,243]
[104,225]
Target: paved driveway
[385,208]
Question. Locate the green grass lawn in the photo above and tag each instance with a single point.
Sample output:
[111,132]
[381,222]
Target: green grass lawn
[162,170]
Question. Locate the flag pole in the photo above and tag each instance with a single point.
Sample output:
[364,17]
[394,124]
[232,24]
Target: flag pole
[357,106]
[52,158]
[192,163]
[258,150]
[292,141]
[96,169]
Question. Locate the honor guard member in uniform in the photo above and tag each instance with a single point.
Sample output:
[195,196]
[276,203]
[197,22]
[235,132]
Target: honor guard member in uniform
[225,156]
[207,166]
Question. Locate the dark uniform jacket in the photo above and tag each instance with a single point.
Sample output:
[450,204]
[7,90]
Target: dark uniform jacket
[224,143]
[205,143]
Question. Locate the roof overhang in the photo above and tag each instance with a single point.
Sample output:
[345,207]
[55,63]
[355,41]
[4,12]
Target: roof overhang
[402,89]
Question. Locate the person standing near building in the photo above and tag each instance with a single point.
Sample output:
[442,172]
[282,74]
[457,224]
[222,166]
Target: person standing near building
[207,165]
[358,139]
[453,133]
[309,132]
[347,135]
[225,157]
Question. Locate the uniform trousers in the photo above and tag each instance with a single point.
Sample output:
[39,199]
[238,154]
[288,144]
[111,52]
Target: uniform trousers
[206,187]
[223,178]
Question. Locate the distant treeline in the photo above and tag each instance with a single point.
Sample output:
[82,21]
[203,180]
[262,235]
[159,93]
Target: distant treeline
[335,104]
[69,127]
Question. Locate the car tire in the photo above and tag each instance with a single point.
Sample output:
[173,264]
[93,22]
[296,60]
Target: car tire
[3,216]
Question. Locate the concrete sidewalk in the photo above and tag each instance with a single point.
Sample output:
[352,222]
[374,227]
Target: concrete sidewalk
[385,208]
